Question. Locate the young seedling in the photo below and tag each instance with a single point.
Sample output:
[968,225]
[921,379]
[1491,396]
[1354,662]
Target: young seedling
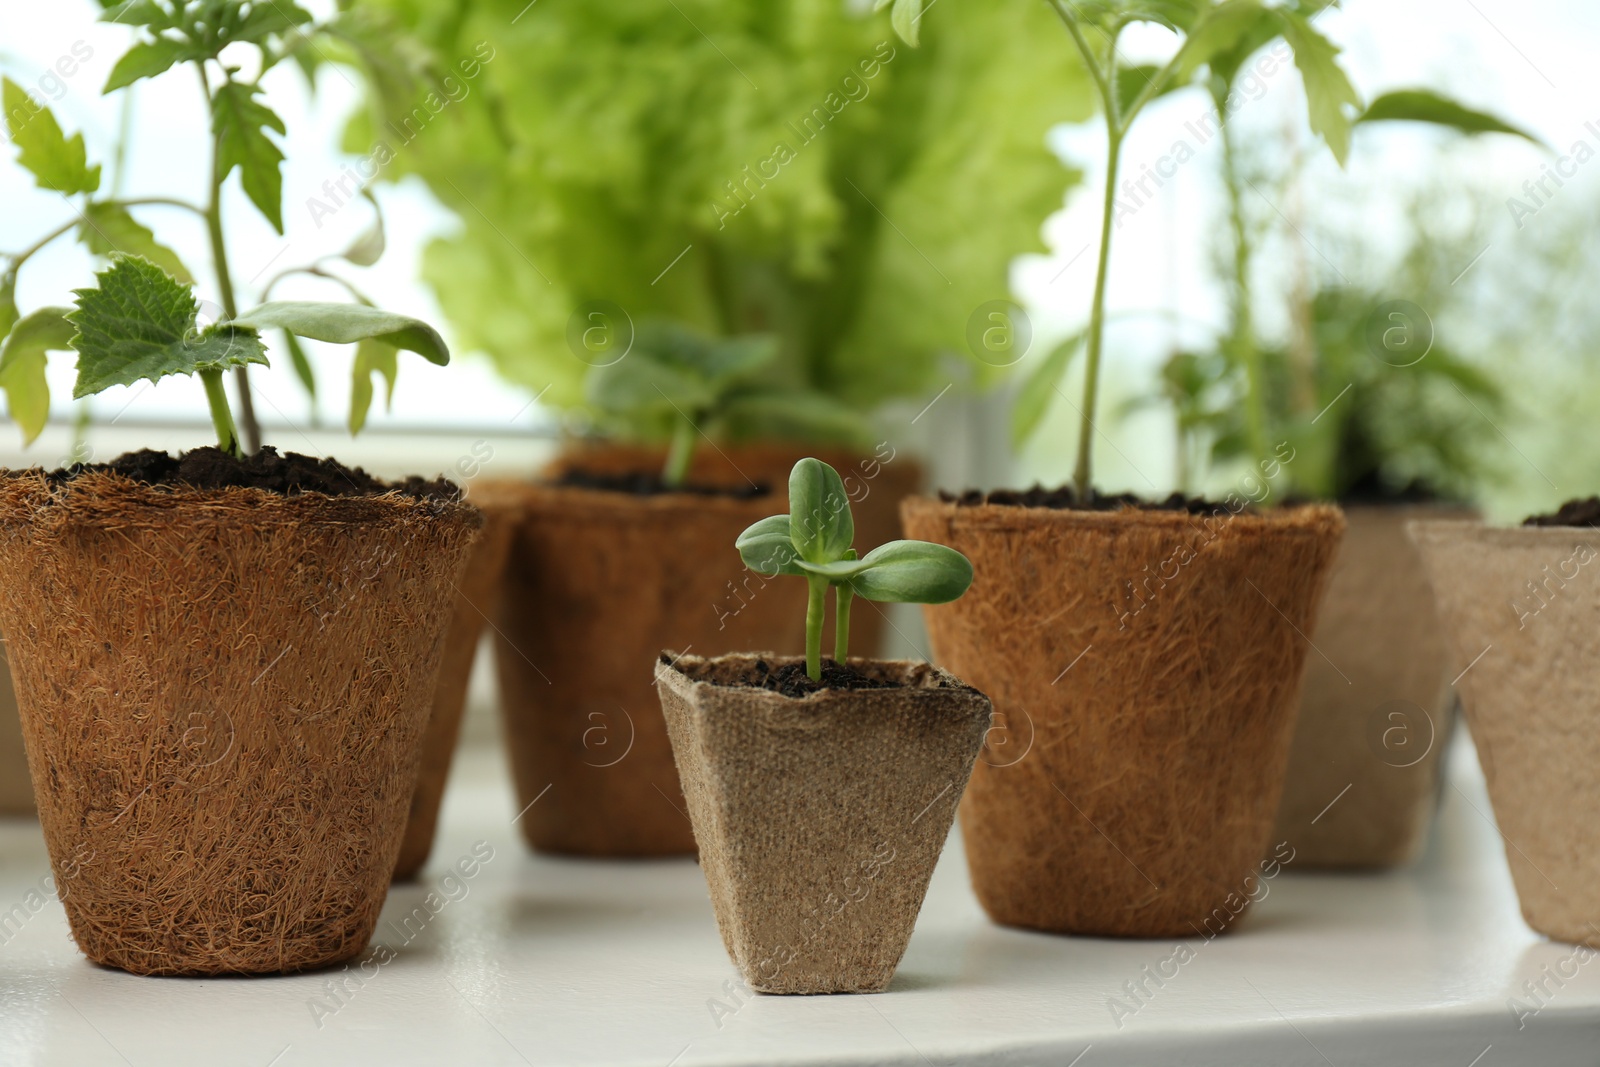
[813,542]
[674,377]
[143,322]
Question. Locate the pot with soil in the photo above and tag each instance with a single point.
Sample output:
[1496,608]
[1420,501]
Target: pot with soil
[1377,708]
[1144,663]
[822,791]
[476,602]
[607,567]
[224,668]
[1521,611]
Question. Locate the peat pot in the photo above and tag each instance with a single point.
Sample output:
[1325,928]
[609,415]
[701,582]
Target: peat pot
[222,693]
[476,597]
[1377,707]
[819,818]
[596,584]
[1522,608]
[1145,669]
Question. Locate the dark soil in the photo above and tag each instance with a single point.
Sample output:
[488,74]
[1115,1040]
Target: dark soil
[1065,499]
[641,484]
[289,473]
[1572,513]
[792,681]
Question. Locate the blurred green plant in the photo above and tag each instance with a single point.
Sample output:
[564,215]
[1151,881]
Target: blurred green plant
[740,168]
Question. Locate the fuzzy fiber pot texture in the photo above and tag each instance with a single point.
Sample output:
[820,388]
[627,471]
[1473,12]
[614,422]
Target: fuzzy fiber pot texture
[222,693]
[476,602]
[1523,612]
[1376,710]
[1145,669]
[819,819]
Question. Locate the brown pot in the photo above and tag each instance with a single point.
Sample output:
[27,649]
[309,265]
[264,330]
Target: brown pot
[222,693]
[1145,668]
[1376,708]
[16,788]
[1523,614]
[819,819]
[476,602]
[596,584]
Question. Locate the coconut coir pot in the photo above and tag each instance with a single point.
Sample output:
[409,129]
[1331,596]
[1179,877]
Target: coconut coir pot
[819,818]
[597,582]
[1144,667]
[222,693]
[1376,709]
[1523,616]
[476,602]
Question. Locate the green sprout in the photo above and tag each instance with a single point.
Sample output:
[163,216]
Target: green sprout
[813,542]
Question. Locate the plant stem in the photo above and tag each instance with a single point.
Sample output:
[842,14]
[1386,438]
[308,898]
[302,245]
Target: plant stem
[1244,331]
[221,415]
[680,454]
[841,621]
[219,259]
[814,610]
[1082,479]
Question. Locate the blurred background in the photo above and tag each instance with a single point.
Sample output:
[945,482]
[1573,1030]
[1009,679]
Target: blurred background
[600,156]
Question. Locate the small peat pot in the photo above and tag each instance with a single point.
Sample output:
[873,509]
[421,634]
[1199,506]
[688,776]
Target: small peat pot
[222,691]
[819,815]
[1376,709]
[476,599]
[1145,668]
[1522,608]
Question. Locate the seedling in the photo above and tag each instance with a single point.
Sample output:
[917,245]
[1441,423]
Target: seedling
[143,321]
[689,385]
[813,542]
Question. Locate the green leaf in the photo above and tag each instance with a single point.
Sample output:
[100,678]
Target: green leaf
[1218,32]
[1328,88]
[8,301]
[1424,105]
[108,227]
[767,548]
[371,357]
[906,18]
[368,248]
[640,382]
[348,323]
[22,363]
[792,415]
[147,59]
[240,124]
[1038,391]
[268,18]
[138,13]
[56,161]
[302,365]
[912,572]
[820,523]
[141,323]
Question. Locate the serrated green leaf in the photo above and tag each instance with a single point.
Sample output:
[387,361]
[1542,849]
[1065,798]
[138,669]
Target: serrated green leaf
[302,365]
[372,357]
[141,323]
[108,227]
[56,161]
[1424,105]
[912,572]
[240,124]
[1038,391]
[146,59]
[1219,31]
[767,549]
[266,19]
[820,523]
[1328,88]
[22,364]
[345,324]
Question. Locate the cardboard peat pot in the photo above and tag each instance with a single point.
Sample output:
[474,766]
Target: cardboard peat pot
[222,693]
[1523,615]
[1376,710]
[16,788]
[819,819]
[596,584]
[1145,668]
[476,597]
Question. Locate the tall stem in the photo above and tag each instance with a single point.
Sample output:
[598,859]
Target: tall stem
[681,453]
[221,414]
[219,260]
[1082,479]
[844,595]
[814,608]
[1245,347]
